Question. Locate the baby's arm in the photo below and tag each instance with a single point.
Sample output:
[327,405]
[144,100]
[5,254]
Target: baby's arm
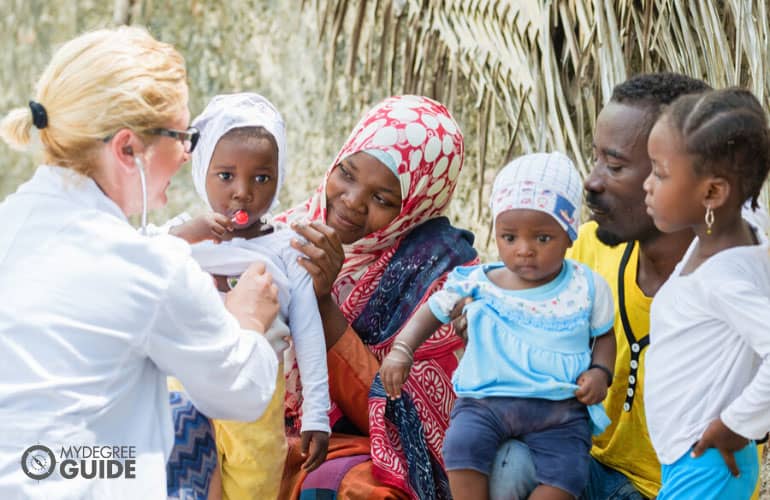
[153,230]
[394,369]
[396,365]
[209,226]
[308,336]
[594,382]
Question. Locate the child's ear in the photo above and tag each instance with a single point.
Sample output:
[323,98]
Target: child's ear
[717,192]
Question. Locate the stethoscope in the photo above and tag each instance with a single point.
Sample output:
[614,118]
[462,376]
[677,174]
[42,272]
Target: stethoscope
[241,217]
[143,180]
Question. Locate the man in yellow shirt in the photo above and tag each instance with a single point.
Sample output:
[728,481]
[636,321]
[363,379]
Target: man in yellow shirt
[623,245]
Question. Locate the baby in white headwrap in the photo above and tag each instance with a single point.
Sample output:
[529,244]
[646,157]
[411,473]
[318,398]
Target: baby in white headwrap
[238,168]
[528,370]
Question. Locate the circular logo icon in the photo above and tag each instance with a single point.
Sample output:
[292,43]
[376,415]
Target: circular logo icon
[38,462]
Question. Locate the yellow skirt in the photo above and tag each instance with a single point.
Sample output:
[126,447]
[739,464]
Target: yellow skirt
[252,454]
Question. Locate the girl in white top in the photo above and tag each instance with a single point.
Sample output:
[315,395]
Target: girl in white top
[239,167]
[93,315]
[708,365]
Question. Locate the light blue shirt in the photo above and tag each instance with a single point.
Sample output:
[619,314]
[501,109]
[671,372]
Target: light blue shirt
[528,343]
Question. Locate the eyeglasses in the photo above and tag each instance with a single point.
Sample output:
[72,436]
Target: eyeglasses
[189,138]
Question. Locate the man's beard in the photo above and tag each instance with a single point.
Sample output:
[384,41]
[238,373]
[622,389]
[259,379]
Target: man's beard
[608,238]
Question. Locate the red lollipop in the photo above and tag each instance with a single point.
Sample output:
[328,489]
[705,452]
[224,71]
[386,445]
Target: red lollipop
[241,217]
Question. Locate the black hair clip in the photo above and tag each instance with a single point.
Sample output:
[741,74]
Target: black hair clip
[39,115]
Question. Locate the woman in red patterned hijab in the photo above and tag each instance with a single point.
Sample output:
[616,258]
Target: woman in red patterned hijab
[377,247]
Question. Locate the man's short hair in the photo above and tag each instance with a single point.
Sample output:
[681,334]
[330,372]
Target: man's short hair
[654,91]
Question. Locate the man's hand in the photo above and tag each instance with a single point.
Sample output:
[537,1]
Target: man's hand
[718,435]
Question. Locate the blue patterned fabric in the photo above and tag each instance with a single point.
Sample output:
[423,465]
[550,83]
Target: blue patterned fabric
[194,455]
[422,258]
[426,476]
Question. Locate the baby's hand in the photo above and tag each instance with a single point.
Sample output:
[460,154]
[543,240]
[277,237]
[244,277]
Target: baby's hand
[318,444]
[394,372]
[592,386]
[210,226]
[459,321]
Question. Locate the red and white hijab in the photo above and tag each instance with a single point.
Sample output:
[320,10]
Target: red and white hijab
[426,146]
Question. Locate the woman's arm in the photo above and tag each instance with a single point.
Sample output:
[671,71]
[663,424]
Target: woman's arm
[224,362]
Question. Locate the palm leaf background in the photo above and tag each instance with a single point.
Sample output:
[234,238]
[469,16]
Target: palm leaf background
[519,76]
[539,71]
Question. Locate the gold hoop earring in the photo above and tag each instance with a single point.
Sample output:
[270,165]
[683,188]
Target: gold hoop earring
[709,219]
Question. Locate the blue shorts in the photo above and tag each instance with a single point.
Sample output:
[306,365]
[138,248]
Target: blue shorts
[513,476]
[707,477]
[558,434]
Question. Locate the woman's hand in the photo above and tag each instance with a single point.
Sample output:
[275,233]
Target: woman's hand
[315,444]
[592,387]
[254,300]
[323,254]
[718,435]
[394,371]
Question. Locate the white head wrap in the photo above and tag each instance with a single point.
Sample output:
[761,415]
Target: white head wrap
[226,112]
[548,182]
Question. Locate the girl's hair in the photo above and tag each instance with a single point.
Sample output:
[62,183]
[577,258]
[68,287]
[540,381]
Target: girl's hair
[95,85]
[727,133]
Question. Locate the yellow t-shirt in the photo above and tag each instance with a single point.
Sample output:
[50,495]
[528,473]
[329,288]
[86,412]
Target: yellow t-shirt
[625,445]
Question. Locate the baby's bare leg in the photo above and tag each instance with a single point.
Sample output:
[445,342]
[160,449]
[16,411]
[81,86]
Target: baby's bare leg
[468,484]
[545,492]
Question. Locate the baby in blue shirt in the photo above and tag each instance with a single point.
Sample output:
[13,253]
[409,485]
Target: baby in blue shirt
[541,350]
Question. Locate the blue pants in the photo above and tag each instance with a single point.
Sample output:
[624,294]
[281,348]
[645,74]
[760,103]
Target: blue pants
[557,433]
[513,477]
[707,477]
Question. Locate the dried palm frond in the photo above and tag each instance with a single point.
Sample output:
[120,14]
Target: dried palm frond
[525,76]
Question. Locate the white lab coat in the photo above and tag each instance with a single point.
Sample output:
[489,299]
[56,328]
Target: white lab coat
[93,318]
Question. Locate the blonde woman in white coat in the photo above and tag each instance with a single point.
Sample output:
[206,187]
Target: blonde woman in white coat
[93,314]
